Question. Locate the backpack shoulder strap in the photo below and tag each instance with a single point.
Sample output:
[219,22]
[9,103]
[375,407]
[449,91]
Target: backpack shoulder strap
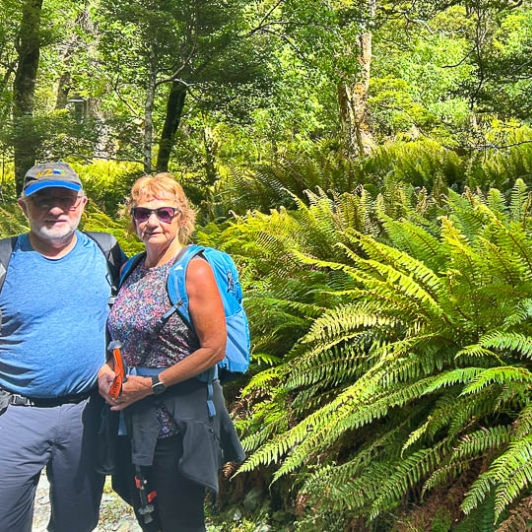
[7,245]
[176,285]
[130,265]
[112,252]
[177,292]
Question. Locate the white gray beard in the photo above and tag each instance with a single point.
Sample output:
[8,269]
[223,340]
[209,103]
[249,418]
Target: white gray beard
[55,236]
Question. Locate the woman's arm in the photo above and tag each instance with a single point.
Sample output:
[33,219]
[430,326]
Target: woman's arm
[207,313]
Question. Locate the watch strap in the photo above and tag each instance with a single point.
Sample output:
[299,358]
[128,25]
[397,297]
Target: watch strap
[156,385]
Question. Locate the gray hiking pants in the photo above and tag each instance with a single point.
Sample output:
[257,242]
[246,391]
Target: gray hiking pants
[62,438]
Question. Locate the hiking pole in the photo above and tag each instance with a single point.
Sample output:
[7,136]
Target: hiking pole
[146,507]
[120,375]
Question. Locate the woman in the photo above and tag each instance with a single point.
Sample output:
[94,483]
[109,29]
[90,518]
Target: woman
[172,436]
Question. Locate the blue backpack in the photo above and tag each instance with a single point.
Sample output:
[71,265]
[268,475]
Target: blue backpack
[237,355]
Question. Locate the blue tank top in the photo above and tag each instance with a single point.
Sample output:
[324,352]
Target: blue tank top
[52,336]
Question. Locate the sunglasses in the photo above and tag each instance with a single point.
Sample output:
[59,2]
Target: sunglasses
[164,214]
[67,203]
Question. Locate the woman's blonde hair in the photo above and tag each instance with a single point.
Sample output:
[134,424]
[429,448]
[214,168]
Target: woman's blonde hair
[163,186]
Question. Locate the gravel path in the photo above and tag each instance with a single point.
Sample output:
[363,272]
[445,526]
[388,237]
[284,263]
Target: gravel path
[115,515]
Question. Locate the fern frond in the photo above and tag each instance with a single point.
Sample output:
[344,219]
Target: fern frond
[402,263]
[330,366]
[497,203]
[408,472]
[515,342]
[503,376]
[523,424]
[452,377]
[417,242]
[509,475]
[470,408]
[347,418]
[343,319]
[482,518]
[476,351]
[341,475]
[509,489]
[519,198]
[520,517]
[479,442]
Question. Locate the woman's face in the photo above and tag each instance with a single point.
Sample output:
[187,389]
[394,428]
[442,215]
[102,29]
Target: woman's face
[157,221]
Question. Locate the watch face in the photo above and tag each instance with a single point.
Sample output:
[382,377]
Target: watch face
[158,388]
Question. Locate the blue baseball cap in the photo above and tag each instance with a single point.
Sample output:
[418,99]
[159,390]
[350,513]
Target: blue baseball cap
[49,175]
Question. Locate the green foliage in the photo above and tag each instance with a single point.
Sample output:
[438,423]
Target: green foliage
[413,92]
[12,220]
[414,368]
[107,184]
[389,296]
[410,169]
[265,187]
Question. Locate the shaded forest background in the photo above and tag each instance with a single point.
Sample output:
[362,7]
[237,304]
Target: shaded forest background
[368,164]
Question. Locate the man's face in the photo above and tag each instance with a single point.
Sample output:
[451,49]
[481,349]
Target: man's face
[54,213]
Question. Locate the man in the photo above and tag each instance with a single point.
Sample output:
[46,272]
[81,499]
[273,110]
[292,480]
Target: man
[54,305]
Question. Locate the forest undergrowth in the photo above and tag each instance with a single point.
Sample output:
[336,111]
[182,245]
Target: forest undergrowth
[391,340]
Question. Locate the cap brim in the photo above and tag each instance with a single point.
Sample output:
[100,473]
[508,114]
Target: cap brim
[51,184]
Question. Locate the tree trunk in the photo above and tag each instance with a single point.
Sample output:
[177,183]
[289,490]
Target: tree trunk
[174,111]
[63,90]
[353,97]
[28,48]
[210,167]
[74,44]
[148,115]
[5,111]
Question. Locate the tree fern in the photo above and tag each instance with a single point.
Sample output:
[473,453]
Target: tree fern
[414,358]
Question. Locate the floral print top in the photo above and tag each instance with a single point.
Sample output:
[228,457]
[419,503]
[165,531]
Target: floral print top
[148,341]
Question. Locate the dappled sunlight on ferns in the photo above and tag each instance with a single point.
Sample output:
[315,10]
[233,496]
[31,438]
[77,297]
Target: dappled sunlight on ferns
[413,362]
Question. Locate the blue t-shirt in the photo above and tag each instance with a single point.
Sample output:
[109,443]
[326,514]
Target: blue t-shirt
[52,338]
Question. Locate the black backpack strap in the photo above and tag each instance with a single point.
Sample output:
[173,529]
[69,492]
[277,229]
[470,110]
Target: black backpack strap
[113,255]
[7,245]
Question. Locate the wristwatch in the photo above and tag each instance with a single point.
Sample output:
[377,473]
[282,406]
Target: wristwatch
[157,386]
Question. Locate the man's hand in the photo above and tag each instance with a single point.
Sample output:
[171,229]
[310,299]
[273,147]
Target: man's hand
[106,377]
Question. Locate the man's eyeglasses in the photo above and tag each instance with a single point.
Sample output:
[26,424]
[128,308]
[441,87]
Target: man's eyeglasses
[164,214]
[67,203]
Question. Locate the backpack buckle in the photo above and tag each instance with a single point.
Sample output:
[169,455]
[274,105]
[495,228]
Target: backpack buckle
[20,400]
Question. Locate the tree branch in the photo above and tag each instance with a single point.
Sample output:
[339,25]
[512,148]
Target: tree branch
[285,38]
[461,60]
[266,17]
[495,147]
[104,158]
[123,100]
[173,77]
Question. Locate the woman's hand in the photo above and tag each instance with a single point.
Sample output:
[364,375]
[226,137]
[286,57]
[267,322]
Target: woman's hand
[134,389]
